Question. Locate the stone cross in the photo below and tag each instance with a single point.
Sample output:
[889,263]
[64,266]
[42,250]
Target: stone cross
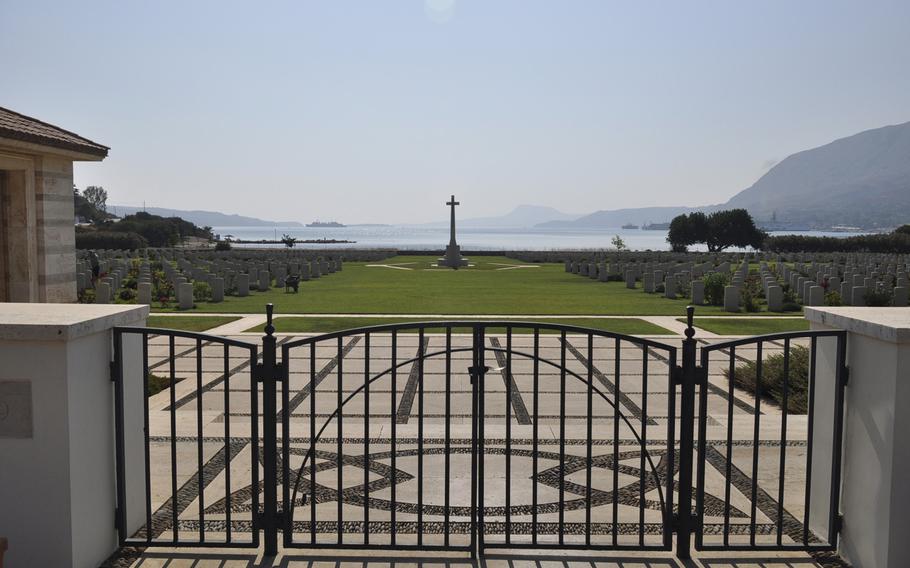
[452,204]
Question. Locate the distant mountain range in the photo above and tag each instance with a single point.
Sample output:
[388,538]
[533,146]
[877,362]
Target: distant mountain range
[861,180]
[202,218]
[523,216]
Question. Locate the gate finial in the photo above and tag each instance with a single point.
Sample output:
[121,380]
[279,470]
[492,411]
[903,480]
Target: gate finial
[269,310]
[690,314]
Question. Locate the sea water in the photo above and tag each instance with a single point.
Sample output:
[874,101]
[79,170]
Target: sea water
[435,238]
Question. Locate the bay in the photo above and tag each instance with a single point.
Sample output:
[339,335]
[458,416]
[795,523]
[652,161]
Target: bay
[409,237]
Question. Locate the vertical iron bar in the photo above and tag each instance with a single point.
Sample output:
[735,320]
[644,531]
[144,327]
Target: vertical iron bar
[480,389]
[117,370]
[448,441]
[534,435]
[810,429]
[287,507]
[199,480]
[755,439]
[699,523]
[339,443]
[312,456]
[394,421]
[366,439]
[227,443]
[644,447]
[590,438]
[783,444]
[145,424]
[254,442]
[838,437]
[617,377]
[729,465]
[508,480]
[420,410]
[689,378]
[562,437]
[667,512]
[173,411]
[268,375]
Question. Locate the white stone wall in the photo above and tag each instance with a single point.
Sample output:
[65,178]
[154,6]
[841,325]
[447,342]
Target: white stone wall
[38,263]
[56,232]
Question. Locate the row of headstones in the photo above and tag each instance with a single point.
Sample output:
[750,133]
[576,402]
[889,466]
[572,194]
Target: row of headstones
[636,257]
[220,275]
[672,276]
[810,281]
[239,278]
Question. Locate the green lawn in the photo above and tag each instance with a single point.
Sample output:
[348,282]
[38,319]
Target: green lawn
[484,289]
[329,324]
[754,326]
[189,323]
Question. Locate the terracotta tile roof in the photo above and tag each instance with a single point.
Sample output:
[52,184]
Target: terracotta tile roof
[27,129]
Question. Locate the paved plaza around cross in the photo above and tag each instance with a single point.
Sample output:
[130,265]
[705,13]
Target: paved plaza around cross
[396,463]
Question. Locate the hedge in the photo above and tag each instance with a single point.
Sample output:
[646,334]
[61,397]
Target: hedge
[109,240]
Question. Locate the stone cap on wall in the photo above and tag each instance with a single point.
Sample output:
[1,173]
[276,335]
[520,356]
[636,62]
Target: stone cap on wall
[65,322]
[886,324]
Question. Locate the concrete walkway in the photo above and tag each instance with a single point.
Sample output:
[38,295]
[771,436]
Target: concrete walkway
[238,558]
[249,321]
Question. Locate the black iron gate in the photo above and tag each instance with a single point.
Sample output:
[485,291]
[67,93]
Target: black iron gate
[470,436]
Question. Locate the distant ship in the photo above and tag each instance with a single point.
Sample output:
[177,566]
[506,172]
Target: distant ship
[325,224]
[656,226]
[629,226]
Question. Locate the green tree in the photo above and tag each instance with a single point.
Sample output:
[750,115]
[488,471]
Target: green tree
[733,228]
[618,242]
[687,230]
[288,241]
[96,196]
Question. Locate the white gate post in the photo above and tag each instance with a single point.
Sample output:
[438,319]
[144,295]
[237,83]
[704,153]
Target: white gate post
[875,496]
[57,454]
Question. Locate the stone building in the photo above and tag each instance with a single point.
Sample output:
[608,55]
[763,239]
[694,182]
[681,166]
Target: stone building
[37,235]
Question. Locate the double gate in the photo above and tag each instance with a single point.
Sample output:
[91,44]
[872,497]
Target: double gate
[478,435]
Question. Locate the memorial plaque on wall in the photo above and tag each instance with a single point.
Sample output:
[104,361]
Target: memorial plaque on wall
[15,409]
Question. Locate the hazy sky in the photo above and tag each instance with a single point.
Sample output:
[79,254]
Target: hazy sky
[377,110]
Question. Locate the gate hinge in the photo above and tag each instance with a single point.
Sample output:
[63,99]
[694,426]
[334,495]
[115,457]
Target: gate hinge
[117,519]
[260,375]
[838,524]
[279,519]
[699,376]
[115,372]
[678,376]
[846,376]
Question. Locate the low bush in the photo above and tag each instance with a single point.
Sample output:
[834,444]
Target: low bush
[714,288]
[202,291]
[772,385]
[86,296]
[127,295]
[109,240]
[877,298]
[896,242]
[750,302]
[833,299]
